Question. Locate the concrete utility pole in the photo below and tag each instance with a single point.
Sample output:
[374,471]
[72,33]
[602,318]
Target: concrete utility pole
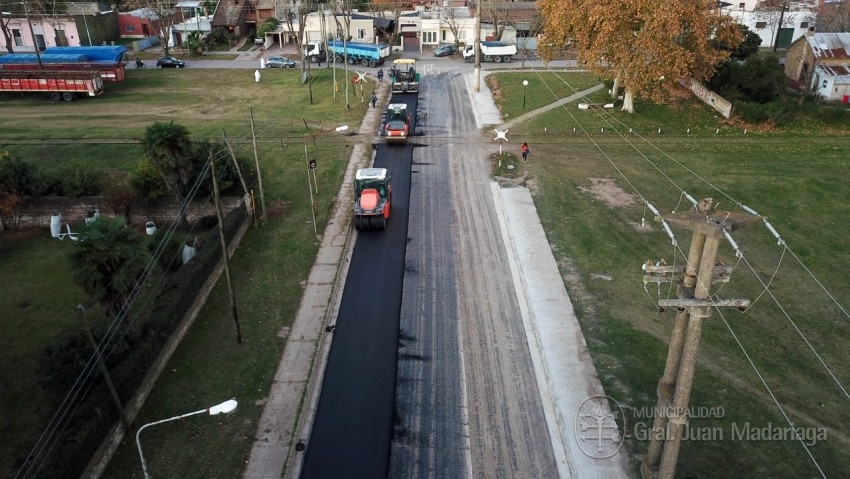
[694,305]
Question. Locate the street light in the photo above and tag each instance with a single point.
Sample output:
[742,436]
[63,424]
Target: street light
[226,407]
[524,84]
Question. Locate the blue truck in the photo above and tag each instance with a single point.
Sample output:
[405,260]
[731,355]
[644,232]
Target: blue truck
[108,60]
[366,54]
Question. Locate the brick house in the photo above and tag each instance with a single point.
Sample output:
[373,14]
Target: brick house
[821,63]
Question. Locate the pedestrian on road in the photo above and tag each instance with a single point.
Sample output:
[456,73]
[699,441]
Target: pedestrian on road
[525,152]
[374,99]
[381,75]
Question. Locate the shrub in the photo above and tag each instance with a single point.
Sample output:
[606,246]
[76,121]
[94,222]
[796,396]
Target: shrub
[147,181]
[79,179]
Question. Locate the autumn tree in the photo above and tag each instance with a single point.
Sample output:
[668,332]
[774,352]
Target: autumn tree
[645,47]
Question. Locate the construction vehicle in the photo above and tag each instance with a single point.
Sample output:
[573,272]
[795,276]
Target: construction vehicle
[404,77]
[397,126]
[372,199]
[497,52]
[366,54]
[57,84]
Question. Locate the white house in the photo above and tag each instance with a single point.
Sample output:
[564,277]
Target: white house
[773,26]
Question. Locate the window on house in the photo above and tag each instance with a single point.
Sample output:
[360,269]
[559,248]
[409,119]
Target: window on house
[822,86]
[443,36]
[429,37]
[741,6]
[804,24]
[130,28]
[761,24]
[361,33]
[19,39]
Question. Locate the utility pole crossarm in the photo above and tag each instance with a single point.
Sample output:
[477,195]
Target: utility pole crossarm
[713,223]
[676,274]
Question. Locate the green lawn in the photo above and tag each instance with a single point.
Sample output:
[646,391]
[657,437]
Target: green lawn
[797,177]
[268,270]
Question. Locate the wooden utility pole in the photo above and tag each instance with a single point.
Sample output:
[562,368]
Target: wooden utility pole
[122,413]
[693,305]
[224,251]
[257,163]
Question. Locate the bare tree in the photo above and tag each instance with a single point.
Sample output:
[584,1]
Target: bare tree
[290,13]
[162,16]
[15,10]
[389,8]
[834,17]
[450,16]
[497,14]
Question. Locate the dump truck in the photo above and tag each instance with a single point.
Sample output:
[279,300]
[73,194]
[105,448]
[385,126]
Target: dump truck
[404,77]
[65,85]
[366,54]
[497,52]
[397,126]
[372,199]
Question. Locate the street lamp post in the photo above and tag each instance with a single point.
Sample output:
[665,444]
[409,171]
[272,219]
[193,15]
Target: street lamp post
[226,407]
[524,85]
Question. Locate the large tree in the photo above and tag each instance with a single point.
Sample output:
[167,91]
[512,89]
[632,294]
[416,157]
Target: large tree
[107,261]
[645,46]
[169,148]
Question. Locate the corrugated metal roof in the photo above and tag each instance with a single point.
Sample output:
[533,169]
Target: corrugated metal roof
[830,45]
[840,73]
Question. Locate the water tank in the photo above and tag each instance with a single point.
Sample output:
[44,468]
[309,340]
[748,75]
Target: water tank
[150,228]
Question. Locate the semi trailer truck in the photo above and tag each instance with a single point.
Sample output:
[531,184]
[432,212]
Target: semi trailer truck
[366,54]
[58,85]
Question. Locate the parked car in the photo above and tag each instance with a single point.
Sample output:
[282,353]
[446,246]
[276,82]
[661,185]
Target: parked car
[170,62]
[445,50]
[279,62]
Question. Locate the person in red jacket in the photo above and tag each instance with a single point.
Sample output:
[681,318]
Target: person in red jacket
[525,152]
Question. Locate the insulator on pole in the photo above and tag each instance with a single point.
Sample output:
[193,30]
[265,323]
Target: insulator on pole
[669,232]
[690,198]
[749,210]
[779,240]
[652,208]
[732,242]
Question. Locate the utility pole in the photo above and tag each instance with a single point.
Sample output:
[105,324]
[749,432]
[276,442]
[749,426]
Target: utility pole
[779,26]
[106,377]
[693,305]
[476,82]
[257,163]
[32,34]
[224,251]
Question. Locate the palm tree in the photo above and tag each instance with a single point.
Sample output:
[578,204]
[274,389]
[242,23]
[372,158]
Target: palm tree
[169,148]
[107,261]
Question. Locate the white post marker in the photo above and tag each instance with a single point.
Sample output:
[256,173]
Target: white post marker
[501,135]
[256,76]
[262,62]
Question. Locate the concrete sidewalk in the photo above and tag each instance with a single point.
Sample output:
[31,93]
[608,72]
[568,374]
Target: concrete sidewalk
[566,376]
